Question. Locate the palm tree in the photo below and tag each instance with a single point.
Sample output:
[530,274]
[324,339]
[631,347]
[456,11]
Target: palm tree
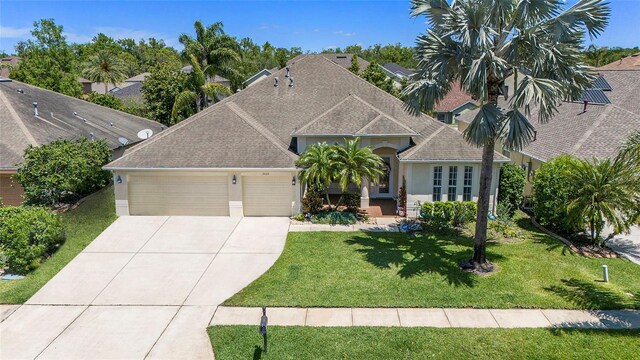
[607,191]
[595,55]
[482,42]
[105,67]
[318,167]
[216,52]
[198,92]
[355,163]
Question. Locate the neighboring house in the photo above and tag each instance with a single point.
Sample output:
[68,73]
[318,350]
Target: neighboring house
[131,88]
[631,62]
[260,75]
[453,104]
[237,156]
[6,64]
[397,73]
[344,60]
[33,116]
[594,126]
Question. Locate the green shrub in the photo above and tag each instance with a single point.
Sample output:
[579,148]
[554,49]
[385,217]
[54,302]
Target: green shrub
[510,190]
[443,210]
[299,217]
[551,192]
[351,201]
[106,100]
[312,201]
[26,235]
[503,223]
[426,210]
[63,171]
[334,217]
[471,210]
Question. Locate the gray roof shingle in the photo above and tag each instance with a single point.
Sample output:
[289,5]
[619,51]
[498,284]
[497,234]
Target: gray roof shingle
[254,127]
[20,127]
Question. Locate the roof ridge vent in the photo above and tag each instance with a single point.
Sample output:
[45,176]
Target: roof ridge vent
[35,109]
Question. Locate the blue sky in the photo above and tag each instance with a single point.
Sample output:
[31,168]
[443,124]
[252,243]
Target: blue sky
[312,25]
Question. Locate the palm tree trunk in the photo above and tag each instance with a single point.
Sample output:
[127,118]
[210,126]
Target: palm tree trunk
[480,239]
[326,192]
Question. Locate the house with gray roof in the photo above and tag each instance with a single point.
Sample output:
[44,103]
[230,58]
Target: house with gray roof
[31,116]
[260,75]
[237,157]
[594,126]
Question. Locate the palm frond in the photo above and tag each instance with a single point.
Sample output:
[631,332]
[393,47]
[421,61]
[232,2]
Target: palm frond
[545,94]
[214,90]
[485,126]
[183,102]
[518,131]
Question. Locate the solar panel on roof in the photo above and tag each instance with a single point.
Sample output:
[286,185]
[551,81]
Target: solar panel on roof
[601,84]
[595,96]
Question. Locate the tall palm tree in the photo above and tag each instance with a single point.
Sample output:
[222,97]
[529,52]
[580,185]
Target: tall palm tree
[318,167]
[216,52]
[607,191]
[482,42]
[198,92]
[595,55]
[355,163]
[105,67]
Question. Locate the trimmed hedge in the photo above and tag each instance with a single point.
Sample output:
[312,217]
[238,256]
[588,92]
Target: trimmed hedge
[27,234]
[551,193]
[448,213]
[510,193]
[312,201]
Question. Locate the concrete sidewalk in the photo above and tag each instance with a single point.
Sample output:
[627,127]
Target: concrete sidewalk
[438,318]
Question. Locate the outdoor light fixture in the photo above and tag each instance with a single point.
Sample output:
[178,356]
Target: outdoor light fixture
[233,181]
[119,180]
[293,181]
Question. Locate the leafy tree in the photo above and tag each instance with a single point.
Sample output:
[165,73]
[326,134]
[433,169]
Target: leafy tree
[594,55]
[319,167]
[47,60]
[374,74]
[600,56]
[551,192]
[106,100]
[355,66]
[105,67]
[481,43]
[198,91]
[511,187]
[160,90]
[63,170]
[135,106]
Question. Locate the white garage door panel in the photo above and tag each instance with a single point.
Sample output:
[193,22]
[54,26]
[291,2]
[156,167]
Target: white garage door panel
[267,195]
[178,195]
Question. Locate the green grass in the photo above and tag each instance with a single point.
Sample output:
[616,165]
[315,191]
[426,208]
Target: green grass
[244,342]
[82,225]
[330,269]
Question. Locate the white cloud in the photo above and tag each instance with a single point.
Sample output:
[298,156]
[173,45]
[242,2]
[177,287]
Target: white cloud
[76,38]
[316,30]
[344,33]
[9,32]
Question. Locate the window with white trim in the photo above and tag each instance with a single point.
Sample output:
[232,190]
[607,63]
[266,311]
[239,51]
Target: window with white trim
[437,183]
[453,183]
[468,183]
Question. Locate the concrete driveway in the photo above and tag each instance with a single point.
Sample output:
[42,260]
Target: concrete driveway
[627,245]
[146,288]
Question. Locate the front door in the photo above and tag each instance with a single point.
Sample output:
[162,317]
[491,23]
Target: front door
[383,188]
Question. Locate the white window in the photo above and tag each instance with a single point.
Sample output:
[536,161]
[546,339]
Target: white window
[437,183]
[453,183]
[468,183]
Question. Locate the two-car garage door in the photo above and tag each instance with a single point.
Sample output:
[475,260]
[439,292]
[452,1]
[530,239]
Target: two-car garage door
[178,195]
[209,195]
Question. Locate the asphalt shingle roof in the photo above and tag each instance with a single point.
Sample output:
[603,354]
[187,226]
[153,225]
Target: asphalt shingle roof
[254,127]
[631,62]
[598,132]
[20,127]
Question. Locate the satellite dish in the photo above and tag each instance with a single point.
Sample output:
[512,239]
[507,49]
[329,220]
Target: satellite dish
[145,134]
[123,141]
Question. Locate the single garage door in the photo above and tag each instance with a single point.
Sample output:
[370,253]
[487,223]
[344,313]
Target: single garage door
[178,195]
[267,195]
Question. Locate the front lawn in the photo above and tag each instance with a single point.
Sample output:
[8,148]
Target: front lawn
[356,269]
[244,342]
[82,225]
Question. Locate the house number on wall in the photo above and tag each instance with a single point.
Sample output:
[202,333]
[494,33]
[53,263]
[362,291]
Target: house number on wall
[266,174]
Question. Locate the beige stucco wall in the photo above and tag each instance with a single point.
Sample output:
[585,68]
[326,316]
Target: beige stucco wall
[419,179]
[530,164]
[235,190]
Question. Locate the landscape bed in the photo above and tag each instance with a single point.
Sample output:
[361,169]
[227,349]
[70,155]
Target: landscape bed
[245,342]
[357,269]
[82,225]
